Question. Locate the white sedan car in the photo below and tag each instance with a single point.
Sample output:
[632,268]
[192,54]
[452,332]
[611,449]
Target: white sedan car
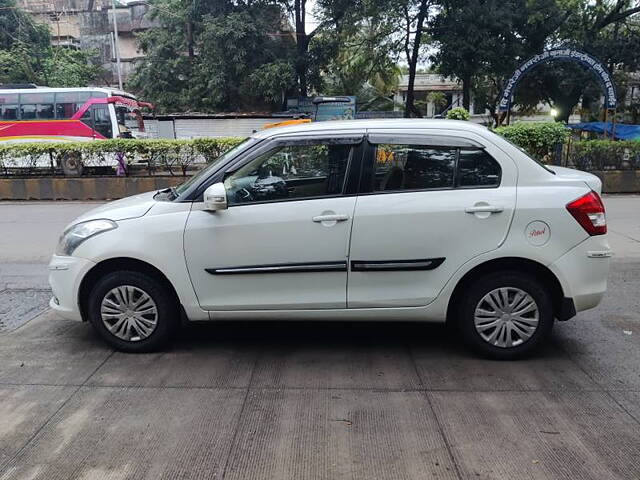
[403,220]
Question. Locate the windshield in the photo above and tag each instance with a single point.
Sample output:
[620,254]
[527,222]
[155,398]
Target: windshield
[130,122]
[204,173]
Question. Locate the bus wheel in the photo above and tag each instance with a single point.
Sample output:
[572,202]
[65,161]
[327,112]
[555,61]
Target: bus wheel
[71,164]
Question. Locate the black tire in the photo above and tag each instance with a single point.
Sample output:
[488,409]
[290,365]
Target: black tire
[475,292]
[167,311]
[71,164]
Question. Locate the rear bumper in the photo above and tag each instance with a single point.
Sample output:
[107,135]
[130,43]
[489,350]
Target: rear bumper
[65,275]
[583,272]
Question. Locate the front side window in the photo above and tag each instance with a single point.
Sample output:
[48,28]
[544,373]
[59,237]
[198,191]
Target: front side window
[413,167]
[102,120]
[97,117]
[291,172]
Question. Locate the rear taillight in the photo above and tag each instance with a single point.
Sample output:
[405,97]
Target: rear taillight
[589,212]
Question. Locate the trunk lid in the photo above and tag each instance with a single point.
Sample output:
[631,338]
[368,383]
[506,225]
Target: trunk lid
[571,174]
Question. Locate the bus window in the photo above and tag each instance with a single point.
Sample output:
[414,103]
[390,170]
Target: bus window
[102,120]
[68,103]
[45,111]
[9,112]
[27,112]
[36,106]
[9,106]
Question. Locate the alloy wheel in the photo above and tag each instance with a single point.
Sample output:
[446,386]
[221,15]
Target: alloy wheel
[129,313]
[506,317]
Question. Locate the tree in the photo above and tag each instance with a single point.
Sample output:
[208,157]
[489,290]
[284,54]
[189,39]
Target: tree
[475,37]
[26,54]
[206,56]
[608,30]
[365,66]
[18,28]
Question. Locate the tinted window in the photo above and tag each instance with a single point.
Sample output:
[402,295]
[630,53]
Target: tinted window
[102,120]
[68,103]
[45,111]
[291,172]
[476,168]
[28,112]
[67,110]
[413,167]
[9,112]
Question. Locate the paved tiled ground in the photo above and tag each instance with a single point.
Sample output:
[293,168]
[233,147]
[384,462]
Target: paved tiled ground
[328,400]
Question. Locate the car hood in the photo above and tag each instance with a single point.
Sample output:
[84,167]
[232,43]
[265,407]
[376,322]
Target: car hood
[126,208]
[571,174]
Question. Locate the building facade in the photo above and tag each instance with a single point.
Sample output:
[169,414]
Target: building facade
[88,24]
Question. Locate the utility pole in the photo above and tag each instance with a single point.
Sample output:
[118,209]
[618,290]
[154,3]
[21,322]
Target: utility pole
[117,44]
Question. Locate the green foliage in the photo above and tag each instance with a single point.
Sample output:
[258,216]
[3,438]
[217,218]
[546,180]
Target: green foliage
[539,139]
[458,113]
[63,67]
[271,80]
[26,54]
[476,37]
[156,154]
[17,27]
[604,154]
[215,56]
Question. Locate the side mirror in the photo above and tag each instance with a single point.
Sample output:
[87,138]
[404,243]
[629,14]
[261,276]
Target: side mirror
[215,198]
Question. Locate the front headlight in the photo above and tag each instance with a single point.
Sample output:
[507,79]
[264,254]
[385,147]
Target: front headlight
[78,233]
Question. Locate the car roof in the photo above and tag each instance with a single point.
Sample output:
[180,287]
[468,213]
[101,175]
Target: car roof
[391,124]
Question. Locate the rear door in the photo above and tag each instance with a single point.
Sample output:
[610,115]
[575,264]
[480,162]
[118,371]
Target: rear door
[429,202]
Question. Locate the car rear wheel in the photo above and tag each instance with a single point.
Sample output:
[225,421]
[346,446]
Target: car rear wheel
[71,164]
[133,312]
[505,315]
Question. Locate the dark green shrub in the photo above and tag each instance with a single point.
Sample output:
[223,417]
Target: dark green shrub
[539,139]
[603,155]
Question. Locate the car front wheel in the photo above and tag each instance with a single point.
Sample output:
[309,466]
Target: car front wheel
[133,311]
[505,315]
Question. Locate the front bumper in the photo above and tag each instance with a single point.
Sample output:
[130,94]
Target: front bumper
[65,276]
[583,272]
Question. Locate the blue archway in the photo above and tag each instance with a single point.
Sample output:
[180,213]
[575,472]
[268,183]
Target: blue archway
[561,54]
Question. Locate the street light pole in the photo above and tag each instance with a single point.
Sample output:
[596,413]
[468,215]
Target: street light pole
[117,44]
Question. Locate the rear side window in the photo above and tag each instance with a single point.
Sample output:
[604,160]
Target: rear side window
[413,167]
[476,168]
[402,167]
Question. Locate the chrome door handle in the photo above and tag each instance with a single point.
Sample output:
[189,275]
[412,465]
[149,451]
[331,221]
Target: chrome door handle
[330,218]
[484,208]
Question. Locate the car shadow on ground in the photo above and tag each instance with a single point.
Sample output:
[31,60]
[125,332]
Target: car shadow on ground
[410,336]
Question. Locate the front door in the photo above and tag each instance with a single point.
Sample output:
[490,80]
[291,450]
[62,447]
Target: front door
[283,242]
[430,202]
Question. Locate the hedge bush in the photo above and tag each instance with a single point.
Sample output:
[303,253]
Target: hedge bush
[603,155]
[157,154]
[458,113]
[539,139]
